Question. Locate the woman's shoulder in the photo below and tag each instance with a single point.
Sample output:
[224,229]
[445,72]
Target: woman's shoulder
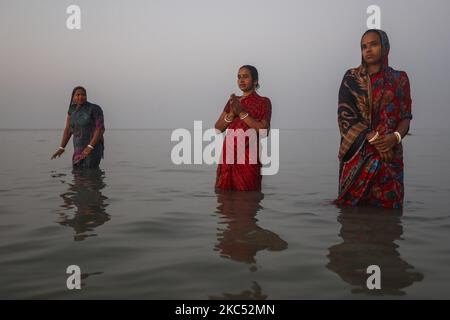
[95,107]
[265,100]
[398,73]
[399,76]
[403,80]
[403,75]
[71,110]
[352,72]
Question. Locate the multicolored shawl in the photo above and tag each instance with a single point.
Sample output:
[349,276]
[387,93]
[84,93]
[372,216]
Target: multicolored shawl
[376,102]
[355,105]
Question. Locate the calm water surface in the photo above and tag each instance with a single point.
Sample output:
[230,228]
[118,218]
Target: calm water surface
[142,227]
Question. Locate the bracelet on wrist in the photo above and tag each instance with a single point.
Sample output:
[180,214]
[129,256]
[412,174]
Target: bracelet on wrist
[244,116]
[226,119]
[375,137]
[90,146]
[399,136]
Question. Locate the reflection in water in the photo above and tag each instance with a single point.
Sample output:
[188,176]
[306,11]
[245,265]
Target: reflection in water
[85,196]
[242,238]
[369,236]
[254,294]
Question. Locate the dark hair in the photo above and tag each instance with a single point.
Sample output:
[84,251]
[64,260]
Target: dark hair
[371,31]
[253,72]
[384,41]
[73,92]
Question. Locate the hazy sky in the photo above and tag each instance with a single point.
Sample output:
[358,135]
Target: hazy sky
[166,63]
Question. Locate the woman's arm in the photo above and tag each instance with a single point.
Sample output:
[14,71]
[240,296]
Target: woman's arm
[253,123]
[98,133]
[225,118]
[403,127]
[65,139]
[221,124]
[249,120]
[388,142]
[67,133]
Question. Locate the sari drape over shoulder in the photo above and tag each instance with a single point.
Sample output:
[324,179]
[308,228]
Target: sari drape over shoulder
[247,175]
[371,102]
[84,120]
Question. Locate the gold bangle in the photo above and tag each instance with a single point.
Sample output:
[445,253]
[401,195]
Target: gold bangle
[226,119]
[399,136]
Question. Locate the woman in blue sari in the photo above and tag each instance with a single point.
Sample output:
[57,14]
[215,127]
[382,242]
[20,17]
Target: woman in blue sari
[85,122]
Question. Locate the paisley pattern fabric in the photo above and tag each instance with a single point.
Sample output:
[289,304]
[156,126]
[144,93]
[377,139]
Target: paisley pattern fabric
[371,102]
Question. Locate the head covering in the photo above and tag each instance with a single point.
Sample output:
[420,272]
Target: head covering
[73,93]
[385,47]
[355,101]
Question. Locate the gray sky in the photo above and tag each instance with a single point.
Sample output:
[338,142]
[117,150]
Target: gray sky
[166,63]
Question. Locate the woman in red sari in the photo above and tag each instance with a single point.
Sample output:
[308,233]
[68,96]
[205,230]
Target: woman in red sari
[374,114]
[247,112]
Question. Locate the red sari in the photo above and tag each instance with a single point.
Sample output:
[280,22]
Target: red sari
[245,176]
[376,102]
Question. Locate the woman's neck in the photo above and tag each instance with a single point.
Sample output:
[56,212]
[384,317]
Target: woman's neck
[80,104]
[373,68]
[247,93]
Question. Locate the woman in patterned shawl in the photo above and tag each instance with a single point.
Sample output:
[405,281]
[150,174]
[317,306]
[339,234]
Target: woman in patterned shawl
[374,114]
[241,114]
[85,122]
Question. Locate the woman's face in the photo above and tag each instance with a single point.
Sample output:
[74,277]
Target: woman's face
[79,97]
[244,80]
[371,48]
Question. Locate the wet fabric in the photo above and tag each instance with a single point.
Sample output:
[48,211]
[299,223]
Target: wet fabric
[376,102]
[84,120]
[243,176]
